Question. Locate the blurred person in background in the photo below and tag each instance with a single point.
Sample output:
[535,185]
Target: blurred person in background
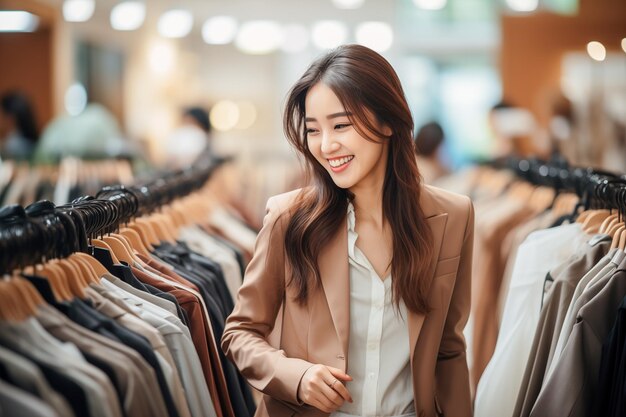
[94,133]
[513,130]
[18,127]
[190,141]
[428,141]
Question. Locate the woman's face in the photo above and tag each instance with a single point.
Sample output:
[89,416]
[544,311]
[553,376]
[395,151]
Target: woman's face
[351,160]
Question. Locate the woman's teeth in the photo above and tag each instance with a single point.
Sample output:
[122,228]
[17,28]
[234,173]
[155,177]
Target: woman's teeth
[340,161]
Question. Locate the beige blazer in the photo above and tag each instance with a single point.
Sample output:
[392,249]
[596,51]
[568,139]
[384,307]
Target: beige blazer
[273,340]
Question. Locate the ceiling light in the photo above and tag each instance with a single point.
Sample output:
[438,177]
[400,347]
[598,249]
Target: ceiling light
[219,30]
[523,5]
[596,51]
[224,115]
[128,15]
[295,38]
[624,44]
[348,4]
[328,34]
[17,21]
[375,35]
[259,37]
[430,4]
[176,23]
[78,10]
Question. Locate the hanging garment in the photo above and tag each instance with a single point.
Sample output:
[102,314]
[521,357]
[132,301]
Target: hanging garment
[609,398]
[25,375]
[557,298]
[541,251]
[579,363]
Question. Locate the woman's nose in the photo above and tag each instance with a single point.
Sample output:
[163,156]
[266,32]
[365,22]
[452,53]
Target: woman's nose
[329,145]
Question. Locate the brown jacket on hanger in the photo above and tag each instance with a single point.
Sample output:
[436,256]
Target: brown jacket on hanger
[273,340]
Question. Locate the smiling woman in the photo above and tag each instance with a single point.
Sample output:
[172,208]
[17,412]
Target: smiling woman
[356,297]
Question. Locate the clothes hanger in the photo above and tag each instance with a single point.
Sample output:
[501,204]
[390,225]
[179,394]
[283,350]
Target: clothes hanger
[95,265]
[58,285]
[104,245]
[616,232]
[72,276]
[161,232]
[129,252]
[135,240]
[594,220]
[608,222]
[11,309]
[143,234]
[29,300]
[118,248]
[88,274]
[565,204]
[148,230]
[167,225]
[541,198]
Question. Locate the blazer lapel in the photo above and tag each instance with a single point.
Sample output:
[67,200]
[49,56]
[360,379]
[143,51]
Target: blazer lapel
[415,321]
[335,275]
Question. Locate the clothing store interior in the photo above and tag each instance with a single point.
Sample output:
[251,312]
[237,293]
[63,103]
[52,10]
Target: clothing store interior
[141,139]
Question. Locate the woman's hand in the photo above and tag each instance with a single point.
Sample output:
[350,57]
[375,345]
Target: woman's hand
[322,387]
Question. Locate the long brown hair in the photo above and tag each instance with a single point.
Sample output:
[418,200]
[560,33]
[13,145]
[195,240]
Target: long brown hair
[363,81]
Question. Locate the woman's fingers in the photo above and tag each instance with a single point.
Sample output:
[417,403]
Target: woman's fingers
[322,387]
[339,374]
[342,391]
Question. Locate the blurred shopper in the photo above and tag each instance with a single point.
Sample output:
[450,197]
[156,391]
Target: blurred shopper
[513,129]
[190,141]
[18,127]
[428,141]
[92,134]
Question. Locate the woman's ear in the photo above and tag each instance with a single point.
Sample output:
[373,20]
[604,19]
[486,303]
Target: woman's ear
[386,130]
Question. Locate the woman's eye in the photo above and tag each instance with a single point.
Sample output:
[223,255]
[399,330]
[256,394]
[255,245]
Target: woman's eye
[342,125]
[309,131]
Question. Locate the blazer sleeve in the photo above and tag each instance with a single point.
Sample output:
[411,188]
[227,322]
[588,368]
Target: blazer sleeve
[452,375]
[259,299]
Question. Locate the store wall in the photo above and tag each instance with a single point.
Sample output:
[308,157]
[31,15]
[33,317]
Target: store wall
[27,67]
[533,47]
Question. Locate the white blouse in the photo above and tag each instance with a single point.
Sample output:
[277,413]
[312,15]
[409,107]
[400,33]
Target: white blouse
[378,352]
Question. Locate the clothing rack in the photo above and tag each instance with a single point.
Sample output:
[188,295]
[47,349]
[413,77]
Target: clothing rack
[32,234]
[597,189]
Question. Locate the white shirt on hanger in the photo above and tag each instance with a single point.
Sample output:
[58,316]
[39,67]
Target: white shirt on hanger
[542,251]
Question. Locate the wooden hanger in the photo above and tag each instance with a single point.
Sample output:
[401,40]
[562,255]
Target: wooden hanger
[102,244]
[594,220]
[29,300]
[119,249]
[161,231]
[168,225]
[616,232]
[10,309]
[622,240]
[86,271]
[72,276]
[58,286]
[564,204]
[147,228]
[135,240]
[541,198]
[93,262]
[608,223]
[143,234]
